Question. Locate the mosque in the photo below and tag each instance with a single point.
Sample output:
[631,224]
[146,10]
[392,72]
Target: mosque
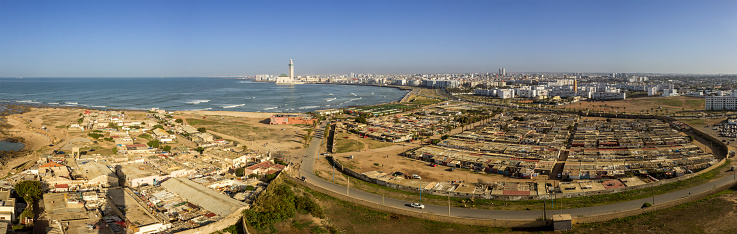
[288,80]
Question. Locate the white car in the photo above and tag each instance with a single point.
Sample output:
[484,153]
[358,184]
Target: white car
[417,205]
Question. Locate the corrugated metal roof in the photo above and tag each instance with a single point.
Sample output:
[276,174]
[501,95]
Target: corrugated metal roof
[202,196]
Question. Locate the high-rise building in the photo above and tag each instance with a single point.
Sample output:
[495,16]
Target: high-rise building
[291,70]
[502,72]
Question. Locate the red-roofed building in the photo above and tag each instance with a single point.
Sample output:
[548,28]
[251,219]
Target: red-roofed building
[61,187]
[613,184]
[264,168]
[52,164]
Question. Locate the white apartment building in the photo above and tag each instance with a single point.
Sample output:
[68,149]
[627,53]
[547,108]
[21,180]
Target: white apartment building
[609,96]
[652,91]
[670,92]
[505,93]
[526,92]
[721,102]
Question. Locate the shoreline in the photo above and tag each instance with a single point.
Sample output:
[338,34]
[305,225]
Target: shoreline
[46,105]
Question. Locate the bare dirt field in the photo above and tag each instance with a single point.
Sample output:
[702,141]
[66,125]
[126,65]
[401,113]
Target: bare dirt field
[647,105]
[250,129]
[28,126]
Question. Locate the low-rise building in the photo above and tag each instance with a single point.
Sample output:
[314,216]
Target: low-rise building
[291,119]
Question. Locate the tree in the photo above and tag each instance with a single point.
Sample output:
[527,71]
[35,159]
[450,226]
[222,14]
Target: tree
[158,126]
[29,190]
[154,143]
[361,119]
[200,150]
[112,125]
[179,121]
[202,130]
[241,171]
[166,148]
[94,135]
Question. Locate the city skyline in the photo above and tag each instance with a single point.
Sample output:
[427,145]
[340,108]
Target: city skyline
[232,38]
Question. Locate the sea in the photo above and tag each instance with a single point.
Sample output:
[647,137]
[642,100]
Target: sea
[191,93]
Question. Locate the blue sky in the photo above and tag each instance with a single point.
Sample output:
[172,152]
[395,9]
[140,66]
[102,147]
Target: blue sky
[224,38]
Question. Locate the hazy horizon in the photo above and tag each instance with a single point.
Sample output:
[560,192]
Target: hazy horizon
[243,38]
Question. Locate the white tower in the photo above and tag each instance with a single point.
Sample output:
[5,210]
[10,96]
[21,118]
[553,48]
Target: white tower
[291,71]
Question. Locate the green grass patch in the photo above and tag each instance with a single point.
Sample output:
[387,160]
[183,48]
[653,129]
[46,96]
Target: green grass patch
[343,145]
[668,102]
[694,122]
[663,212]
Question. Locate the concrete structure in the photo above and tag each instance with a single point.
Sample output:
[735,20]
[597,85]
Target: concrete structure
[609,96]
[721,103]
[652,91]
[562,222]
[291,119]
[98,175]
[7,207]
[291,70]
[670,92]
[68,208]
[200,195]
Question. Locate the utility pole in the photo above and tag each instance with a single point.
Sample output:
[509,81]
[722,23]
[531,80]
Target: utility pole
[349,186]
[448,203]
[653,191]
[545,211]
[420,189]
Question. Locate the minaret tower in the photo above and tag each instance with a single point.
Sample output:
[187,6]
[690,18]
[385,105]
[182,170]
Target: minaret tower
[291,71]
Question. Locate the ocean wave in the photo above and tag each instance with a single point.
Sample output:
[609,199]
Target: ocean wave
[354,94]
[99,106]
[233,106]
[53,103]
[271,108]
[204,109]
[308,107]
[330,99]
[71,103]
[195,102]
[29,101]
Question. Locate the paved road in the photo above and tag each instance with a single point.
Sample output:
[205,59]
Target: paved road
[312,152]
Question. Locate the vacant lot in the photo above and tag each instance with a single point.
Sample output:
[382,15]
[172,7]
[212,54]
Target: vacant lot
[712,215]
[647,105]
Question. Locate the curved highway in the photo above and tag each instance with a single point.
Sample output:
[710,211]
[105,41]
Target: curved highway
[306,169]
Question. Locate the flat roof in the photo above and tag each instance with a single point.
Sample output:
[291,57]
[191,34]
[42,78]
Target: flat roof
[202,196]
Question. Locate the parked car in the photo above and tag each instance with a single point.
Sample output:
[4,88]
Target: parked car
[417,205]
[398,173]
[433,164]
[304,178]
[415,176]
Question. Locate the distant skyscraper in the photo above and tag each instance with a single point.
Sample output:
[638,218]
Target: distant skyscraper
[502,72]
